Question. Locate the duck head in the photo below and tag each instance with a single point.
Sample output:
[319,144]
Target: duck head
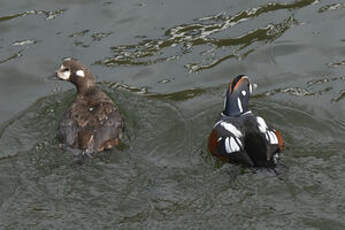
[237,96]
[75,72]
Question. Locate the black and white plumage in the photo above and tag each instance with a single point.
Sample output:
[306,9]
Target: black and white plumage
[93,122]
[240,136]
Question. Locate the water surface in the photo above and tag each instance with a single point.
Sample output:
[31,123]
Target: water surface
[166,64]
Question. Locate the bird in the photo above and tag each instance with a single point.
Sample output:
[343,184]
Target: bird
[93,122]
[241,137]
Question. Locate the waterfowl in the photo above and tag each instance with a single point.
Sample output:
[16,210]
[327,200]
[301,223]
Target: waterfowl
[241,137]
[93,122]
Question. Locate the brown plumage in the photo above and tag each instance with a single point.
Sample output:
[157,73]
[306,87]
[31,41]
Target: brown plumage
[93,122]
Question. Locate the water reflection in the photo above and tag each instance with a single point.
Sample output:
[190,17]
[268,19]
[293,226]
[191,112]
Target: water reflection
[180,40]
[164,177]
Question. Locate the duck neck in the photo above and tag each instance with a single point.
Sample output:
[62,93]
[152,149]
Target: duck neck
[85,88]
[235,105]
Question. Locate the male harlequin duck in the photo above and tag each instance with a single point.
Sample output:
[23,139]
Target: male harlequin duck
[240,136]
[93,122]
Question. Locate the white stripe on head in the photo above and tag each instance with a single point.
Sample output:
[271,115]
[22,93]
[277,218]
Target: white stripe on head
[225,99]
[239,103]
[80,73]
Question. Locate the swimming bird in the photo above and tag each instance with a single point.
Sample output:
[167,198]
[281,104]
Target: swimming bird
[241,137]
[93,122]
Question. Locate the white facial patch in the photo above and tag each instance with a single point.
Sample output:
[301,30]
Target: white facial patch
[239,103]
[80,73]
[244,93]
[261,124]
[232,129]
[63,74]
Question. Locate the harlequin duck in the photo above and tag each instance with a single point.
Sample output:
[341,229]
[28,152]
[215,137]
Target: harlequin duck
[93,122]
[240,136]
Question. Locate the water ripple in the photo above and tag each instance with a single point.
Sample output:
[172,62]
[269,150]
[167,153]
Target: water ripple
[14,56]
[331,7]
[86,42]
[336,64]
[180,40]
[49,14]
[24,43]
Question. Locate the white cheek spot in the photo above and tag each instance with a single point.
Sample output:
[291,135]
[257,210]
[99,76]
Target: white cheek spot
[80,73]
[244,93]
[64,75]
[261,124]
[239,103]
[232,129]
[62,67]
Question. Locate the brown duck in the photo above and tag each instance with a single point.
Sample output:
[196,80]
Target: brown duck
[93,122]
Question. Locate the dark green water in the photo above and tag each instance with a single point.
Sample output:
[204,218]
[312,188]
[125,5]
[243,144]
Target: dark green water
[166,64]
